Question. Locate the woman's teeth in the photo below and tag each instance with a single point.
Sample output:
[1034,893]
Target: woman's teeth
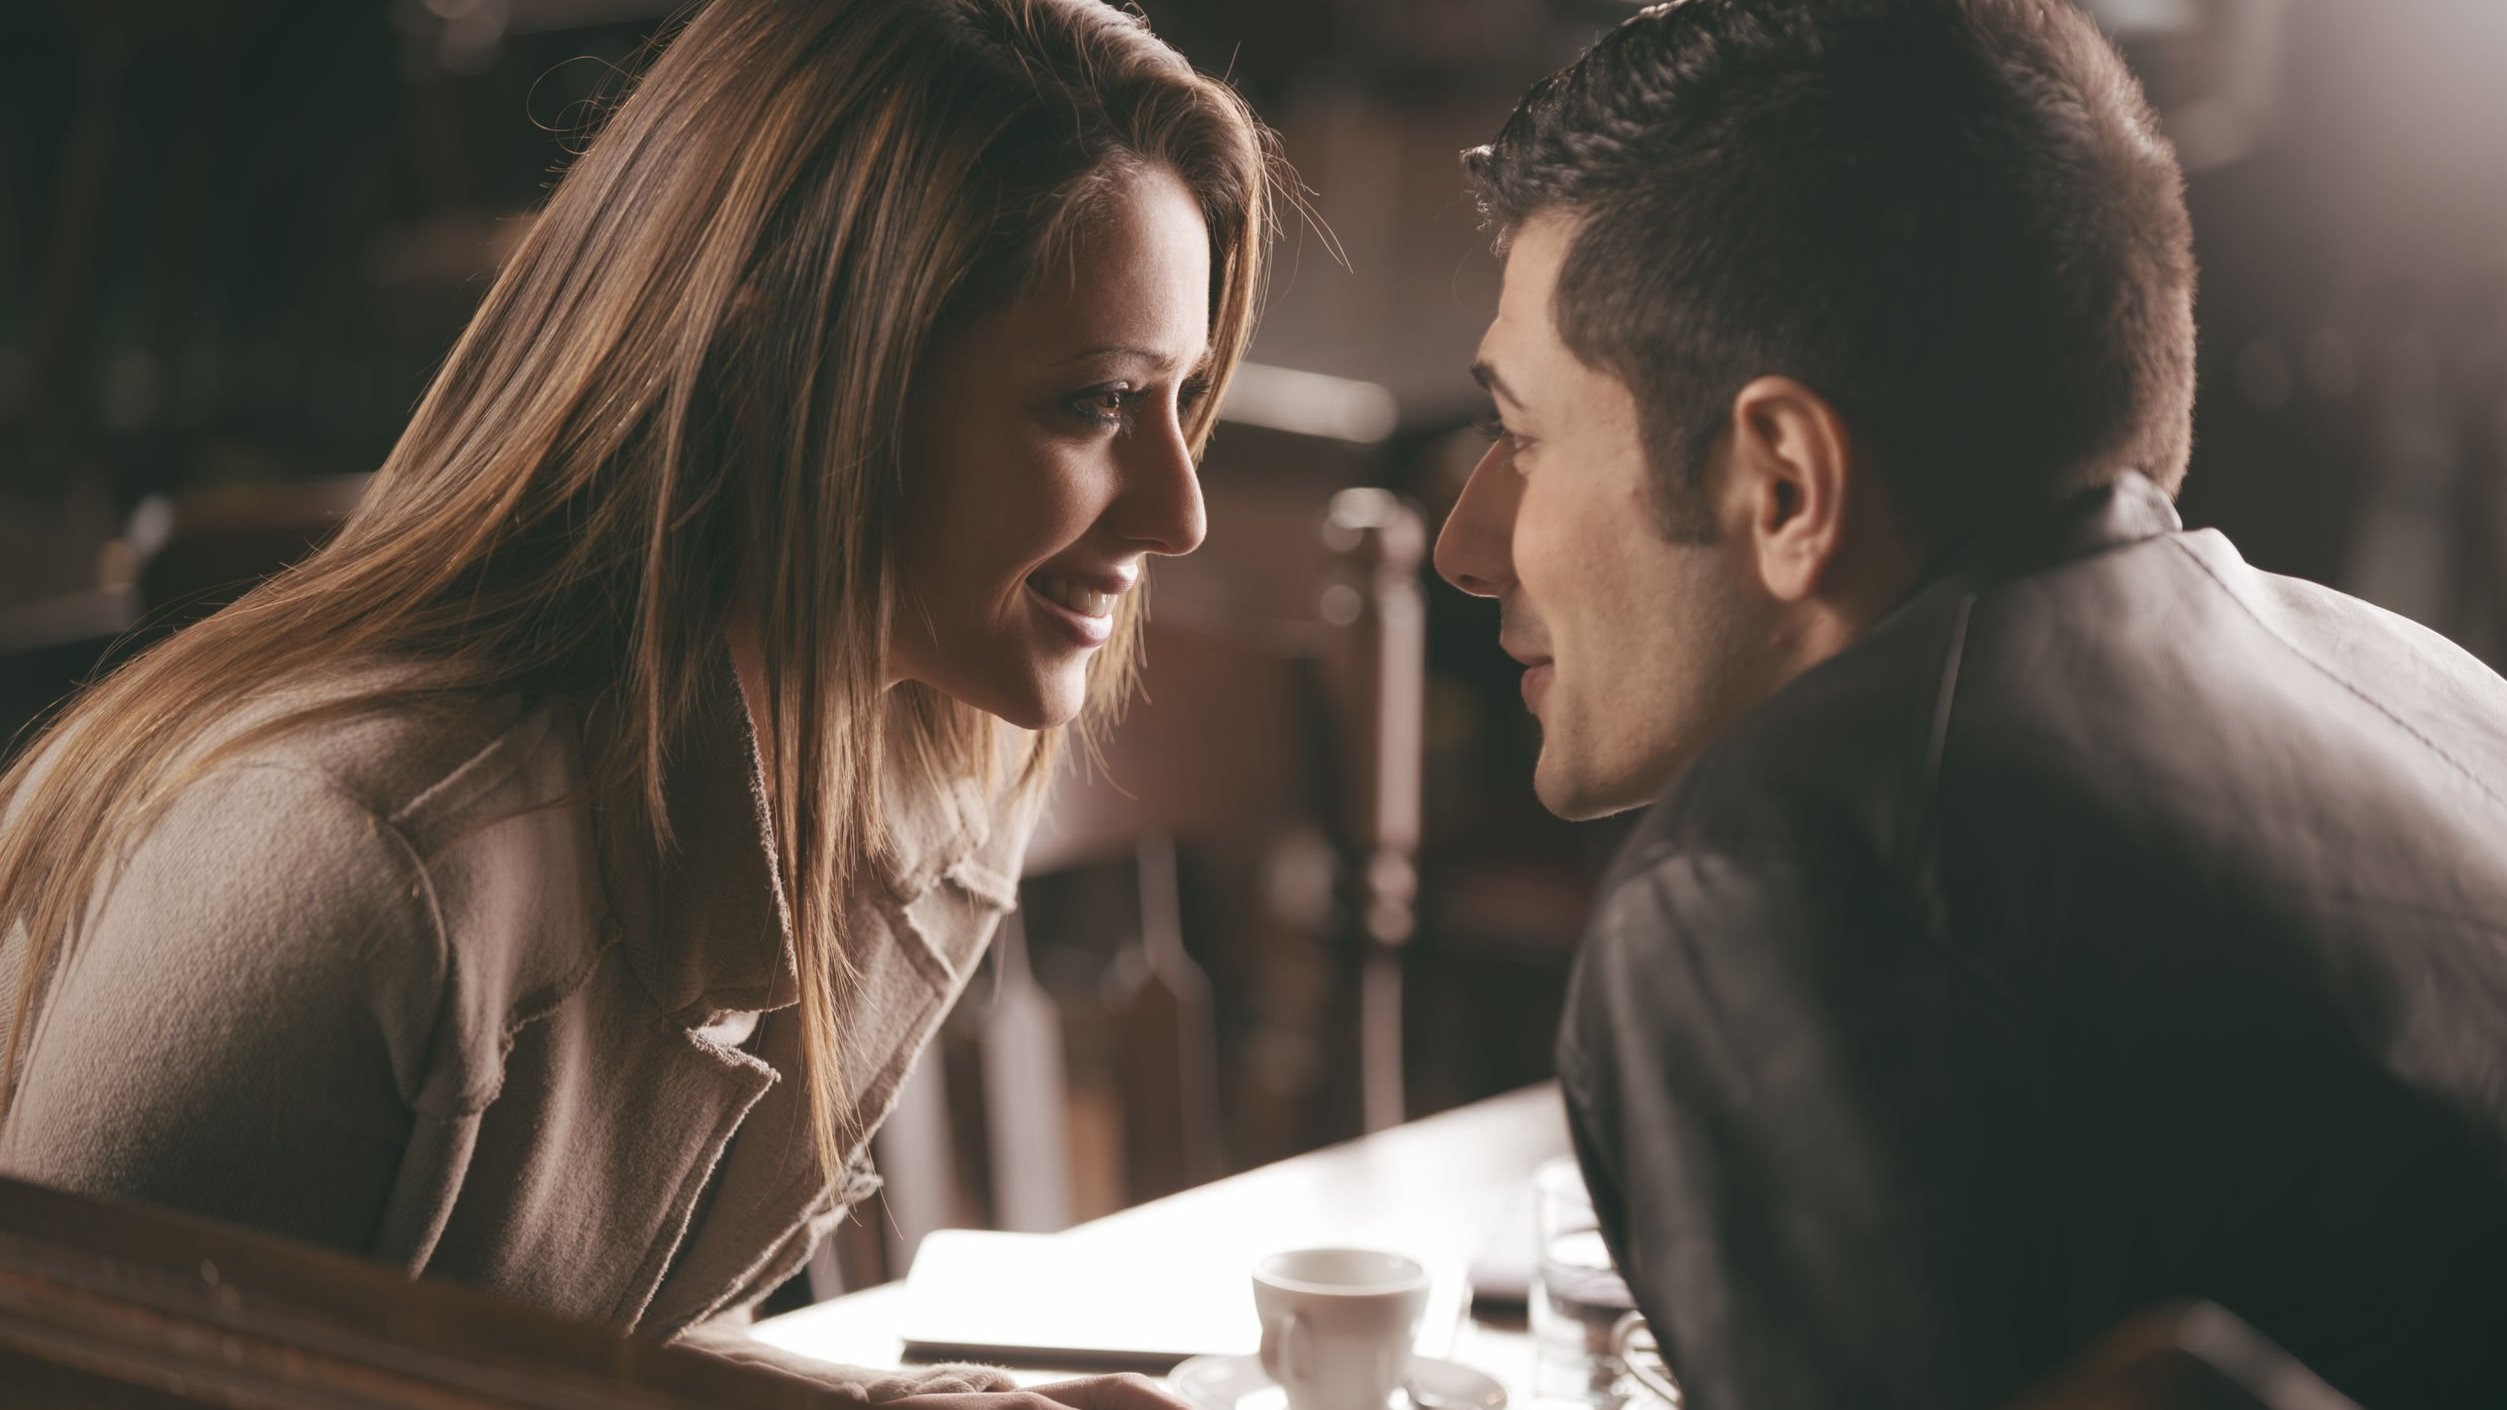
[1087,602]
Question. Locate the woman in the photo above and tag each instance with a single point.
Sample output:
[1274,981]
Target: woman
[547,884]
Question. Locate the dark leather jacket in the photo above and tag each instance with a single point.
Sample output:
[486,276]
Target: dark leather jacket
[2117,925]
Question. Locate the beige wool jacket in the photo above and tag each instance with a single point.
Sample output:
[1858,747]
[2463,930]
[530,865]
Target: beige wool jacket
[406,985]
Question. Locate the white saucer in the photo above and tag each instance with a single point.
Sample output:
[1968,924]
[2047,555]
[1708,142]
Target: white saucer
[1238,1383]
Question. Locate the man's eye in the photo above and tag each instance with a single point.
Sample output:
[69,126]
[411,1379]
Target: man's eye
[1493,428]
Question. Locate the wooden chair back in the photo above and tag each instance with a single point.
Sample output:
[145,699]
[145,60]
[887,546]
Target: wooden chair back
[112,1306]
[211,546]
[197,552]
[1282,688]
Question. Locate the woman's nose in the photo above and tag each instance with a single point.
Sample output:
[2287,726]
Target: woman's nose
[1162,492]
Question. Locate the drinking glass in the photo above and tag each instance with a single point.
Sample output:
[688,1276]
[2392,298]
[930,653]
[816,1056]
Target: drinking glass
[1578,1298]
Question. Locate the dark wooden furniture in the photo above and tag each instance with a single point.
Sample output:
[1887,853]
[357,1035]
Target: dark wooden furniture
[206,548]
[193,553]
[107,1306]
[49,648]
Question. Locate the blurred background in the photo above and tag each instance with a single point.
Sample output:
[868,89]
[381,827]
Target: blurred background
[1317,896]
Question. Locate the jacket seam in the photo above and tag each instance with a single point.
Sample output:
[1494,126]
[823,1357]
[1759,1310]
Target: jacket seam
[1922,839]
[446,961]
[1760,850]
[502,742]
[1919,853]
[922,952]
[533,1008]
[857,1182]
[679,1215]
[530,1009]
[2337,678]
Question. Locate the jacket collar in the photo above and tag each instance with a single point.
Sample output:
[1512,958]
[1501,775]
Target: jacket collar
[705,924]
[2127,510]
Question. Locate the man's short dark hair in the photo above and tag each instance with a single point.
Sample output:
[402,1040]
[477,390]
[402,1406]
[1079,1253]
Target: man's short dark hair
[1954,219]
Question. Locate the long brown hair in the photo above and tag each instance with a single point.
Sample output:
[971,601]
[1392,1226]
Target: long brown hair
[688,387]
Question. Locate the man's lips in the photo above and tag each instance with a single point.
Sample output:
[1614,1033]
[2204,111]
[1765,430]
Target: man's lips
[1517,630]
[1536,678]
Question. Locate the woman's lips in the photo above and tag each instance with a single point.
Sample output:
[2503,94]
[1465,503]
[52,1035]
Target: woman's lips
[1081,628]
[1087,598]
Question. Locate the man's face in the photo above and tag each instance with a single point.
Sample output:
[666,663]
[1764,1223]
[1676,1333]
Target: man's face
[1638,650]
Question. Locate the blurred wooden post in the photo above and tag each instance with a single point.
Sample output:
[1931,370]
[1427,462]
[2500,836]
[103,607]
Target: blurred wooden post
[916,1154]
[1283,698]
[1025,1104]
[1169,1036]
[1378,542]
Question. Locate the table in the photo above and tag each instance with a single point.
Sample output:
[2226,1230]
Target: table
[1433,1188]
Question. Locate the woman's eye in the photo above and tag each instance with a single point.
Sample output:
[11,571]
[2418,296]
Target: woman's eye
[1105,407]
[1112,406]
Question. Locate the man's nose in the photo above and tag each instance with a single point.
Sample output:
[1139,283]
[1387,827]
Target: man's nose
[1475,550]
[1162,510]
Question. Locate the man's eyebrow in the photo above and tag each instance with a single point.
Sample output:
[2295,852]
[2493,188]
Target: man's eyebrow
[1486,375]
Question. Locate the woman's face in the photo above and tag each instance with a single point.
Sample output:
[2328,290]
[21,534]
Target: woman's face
[1046,460]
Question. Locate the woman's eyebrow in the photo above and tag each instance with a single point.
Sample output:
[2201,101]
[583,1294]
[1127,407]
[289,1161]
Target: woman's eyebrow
[1163,361]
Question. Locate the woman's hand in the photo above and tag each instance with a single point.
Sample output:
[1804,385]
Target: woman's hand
[954,1386]
[1124,1392]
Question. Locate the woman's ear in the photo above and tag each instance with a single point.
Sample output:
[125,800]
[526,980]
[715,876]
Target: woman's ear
[1792,469]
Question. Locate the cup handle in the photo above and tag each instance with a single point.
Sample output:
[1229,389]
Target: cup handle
[1283,1348]
[1633,1346]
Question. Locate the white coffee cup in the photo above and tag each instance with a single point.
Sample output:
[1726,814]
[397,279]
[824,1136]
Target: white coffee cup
[1338,1324]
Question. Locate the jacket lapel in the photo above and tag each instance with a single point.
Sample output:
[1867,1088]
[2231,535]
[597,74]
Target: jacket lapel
[706,931]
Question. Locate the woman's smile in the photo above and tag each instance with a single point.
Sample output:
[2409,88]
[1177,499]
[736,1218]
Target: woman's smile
[1082,611]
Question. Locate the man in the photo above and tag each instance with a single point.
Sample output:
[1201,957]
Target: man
[2042,914]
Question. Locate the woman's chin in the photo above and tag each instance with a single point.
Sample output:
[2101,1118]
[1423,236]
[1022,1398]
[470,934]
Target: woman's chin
[1058,707]
[1035,719]
[1033,704]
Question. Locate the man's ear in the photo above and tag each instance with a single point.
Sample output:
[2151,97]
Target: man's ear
[1792,467]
